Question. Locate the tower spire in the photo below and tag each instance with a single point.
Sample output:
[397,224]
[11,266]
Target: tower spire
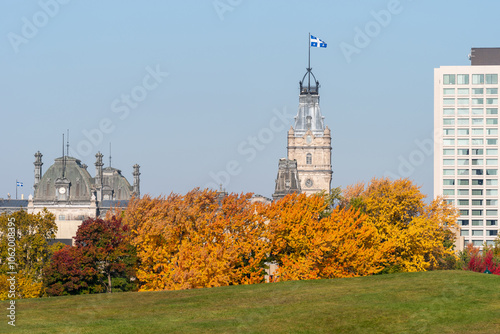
[110,154]
[64,157]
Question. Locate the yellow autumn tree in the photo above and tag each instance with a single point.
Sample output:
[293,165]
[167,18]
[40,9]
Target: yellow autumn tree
[197,240]
[307,245]
[423,234]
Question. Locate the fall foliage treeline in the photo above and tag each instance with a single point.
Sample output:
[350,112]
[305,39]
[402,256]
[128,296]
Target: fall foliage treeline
[201,240]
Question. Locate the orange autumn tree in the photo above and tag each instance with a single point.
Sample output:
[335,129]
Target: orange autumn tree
[423,234]
[307,245]
[194,241]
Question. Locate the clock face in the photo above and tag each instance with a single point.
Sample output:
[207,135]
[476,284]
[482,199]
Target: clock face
[309,139]
[62,190]
[309,183]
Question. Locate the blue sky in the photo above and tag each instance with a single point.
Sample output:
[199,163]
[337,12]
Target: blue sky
[203,92]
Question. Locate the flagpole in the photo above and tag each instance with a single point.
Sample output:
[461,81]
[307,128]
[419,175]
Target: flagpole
[16,188]
[309,65]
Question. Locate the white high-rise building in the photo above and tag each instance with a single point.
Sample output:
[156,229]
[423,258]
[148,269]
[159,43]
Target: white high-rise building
[466,143]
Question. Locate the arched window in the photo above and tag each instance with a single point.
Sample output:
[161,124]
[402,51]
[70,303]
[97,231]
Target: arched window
[309,158]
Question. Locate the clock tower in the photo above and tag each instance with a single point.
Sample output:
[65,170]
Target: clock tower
[309,141]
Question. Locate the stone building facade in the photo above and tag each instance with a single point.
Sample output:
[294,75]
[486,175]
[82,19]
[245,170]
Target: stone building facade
[69,191]
[309,145]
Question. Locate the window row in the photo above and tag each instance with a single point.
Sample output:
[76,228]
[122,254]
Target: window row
[478,212]
[478,233]
[466,141]
[473,131]
[477,222]
[474,162]
[474,192]
[478,243]
[466,121]
[473,91]
[477,202]
[467,111]
[469,151]
[463,79]
[472,172]
[466,182]
[466,101]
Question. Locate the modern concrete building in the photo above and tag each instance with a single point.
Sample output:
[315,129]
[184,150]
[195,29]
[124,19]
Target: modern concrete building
[309,146]
[466,143]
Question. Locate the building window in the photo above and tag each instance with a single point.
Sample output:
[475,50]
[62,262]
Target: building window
[478,79]
[477,182]
[477,202]
[477,162]
[463,121]
[477,111]
[477,151]
[491,141]
[462,141]
[449,151]
[309,158]
[477,121]
[463,192]
[477,243]
[449,79]
[462,79]
[462,132]
[462,161]
[462,102]
[448,182]
[492,131]
[463,222]
[492,121]
[491,111]
[492,182]
[448,172]
[463,182]
[449,91]
[463,111]
[477,172]
[448,111]
[62,217]
[491,151]
[464,212]
[464,233]
[451,142]
[491,91]
[491,192]
[491,222]
[492,162]
[476,141]
[477,91]
[492,79]
[463,202]
[477,192]
[477,212]
[449,192]
[477,233]
[463,171]
[477,222]
[461,91]
[477,132]
[492,232]
[492,101]
[449,132]
[448,162]
[477,101]
[449,121]
[491,171]
[491,202]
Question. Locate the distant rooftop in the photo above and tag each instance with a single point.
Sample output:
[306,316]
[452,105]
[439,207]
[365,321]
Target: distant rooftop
[484,56]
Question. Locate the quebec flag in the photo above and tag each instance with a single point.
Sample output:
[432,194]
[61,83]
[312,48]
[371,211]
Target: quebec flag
[19,184]
[317,43]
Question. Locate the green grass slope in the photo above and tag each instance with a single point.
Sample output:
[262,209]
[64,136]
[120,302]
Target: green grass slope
[429,302]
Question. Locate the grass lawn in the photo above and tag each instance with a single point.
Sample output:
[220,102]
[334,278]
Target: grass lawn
[428,302]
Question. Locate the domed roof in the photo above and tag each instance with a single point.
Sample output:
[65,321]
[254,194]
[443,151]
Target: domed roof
[67,169]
